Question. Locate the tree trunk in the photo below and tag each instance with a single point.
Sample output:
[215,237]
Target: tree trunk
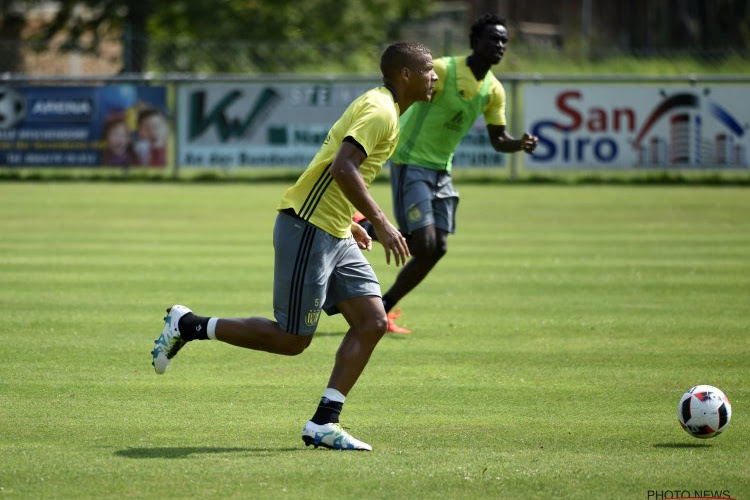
[11,58]
[135,38]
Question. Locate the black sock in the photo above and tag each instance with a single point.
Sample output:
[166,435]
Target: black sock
[328,412]
[193,327]
[388,302]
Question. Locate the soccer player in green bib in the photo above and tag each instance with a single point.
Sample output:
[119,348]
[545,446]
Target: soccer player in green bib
[424,199]
[319,265]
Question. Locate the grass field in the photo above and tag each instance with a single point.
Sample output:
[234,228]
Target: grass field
[551,348]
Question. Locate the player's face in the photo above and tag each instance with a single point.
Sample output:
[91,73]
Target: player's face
[490,44]
[422,79]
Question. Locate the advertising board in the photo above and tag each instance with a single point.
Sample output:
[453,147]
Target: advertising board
[637,126]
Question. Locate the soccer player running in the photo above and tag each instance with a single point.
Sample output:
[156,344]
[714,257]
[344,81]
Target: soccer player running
[424,199]
[318,261]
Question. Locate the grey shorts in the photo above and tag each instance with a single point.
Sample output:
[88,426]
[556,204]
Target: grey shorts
[315,271]
[423,197]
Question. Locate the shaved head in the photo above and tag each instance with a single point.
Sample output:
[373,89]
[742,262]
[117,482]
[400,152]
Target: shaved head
[401,55]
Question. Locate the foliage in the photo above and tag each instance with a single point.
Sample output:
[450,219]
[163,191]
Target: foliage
[279,37]
[84,24]
[529,60]
[273,36]
[331,36]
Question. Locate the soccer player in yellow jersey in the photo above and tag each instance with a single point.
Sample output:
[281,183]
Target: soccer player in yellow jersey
[319,265]
[424,199]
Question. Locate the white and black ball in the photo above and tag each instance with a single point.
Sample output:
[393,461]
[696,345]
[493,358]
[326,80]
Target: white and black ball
[704,411]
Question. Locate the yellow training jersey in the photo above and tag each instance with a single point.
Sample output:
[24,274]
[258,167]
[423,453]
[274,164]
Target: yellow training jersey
[468,86]
[372,121]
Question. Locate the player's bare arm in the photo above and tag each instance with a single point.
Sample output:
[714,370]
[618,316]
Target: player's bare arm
[504,143]
[364,241]
[345,171]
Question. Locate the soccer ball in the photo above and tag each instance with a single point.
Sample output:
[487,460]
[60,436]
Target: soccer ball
[704,411]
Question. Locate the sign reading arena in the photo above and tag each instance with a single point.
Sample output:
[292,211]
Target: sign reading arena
[279,124]
[605,126]
[87,126]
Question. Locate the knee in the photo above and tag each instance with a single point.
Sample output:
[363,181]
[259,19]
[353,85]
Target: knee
[441,248]
[375,326]
[431,250]
[381,324]
[297,344]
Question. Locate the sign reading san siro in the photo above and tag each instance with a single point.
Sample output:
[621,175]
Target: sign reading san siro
[641,126]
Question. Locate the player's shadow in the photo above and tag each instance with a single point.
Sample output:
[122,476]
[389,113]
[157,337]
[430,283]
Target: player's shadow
[187,451]
[330,334]
[682,445]
[389,336]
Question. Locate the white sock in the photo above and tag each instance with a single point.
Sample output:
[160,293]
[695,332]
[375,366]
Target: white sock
[334,395]
[211,328]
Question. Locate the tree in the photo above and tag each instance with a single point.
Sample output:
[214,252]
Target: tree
[85,23]
[12,23]
[233,35]
[278,35]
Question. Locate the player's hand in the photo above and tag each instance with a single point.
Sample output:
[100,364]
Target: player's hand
[529,142]
[393,242]
[363,239]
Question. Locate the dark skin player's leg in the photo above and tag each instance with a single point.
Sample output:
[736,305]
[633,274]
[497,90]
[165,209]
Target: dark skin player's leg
[427,246]
[367,325]
[260,334]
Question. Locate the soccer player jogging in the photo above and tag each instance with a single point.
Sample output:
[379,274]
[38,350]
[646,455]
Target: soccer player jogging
[319,264]
[424,199]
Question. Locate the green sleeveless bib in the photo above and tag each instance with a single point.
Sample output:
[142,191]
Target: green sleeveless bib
[431,131]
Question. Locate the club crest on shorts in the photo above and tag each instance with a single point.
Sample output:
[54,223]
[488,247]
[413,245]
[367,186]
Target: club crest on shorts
[312,317]
[413,214]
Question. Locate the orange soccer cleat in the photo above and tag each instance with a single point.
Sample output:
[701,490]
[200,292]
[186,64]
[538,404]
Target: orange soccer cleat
[392,326]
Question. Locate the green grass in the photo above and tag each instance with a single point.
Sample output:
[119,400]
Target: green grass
[551,347]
